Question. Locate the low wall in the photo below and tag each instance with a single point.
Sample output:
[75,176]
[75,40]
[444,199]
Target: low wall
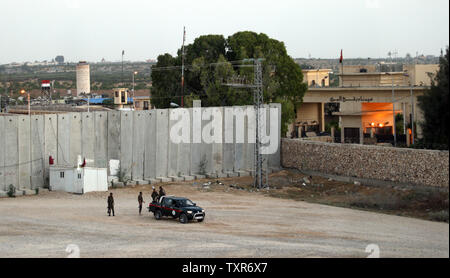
[398,165]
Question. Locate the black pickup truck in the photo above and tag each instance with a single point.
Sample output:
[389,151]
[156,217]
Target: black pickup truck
[176,207]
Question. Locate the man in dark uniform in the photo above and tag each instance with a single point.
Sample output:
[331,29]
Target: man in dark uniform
[162,192]
[140,201]
[154,195]
[110,204]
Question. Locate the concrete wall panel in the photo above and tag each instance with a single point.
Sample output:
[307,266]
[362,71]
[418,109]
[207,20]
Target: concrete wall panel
[11,154]
[217,148]
[63,130]
[24,151]
[137,166]
[275,159]
[51,142]
[196,148]
[228,148]
[37,151]
[88,138]
[172,163]
[150,145]
[239,148]
[126,143]
[113,136]
[184,152]
[162,142]
[101,139]
[206,150]
[250,147]
[75,137]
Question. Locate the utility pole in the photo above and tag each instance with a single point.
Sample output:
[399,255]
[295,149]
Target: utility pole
[258,102]
[182,67]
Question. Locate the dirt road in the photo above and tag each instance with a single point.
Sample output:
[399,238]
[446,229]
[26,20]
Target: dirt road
[237,224]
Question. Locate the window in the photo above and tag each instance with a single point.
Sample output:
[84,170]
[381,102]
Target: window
[168,202]
[117,94]
[79,176]
[145,105]
[61,175]
[137,104]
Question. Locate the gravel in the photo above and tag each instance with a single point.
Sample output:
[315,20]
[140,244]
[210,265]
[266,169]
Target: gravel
[238,224]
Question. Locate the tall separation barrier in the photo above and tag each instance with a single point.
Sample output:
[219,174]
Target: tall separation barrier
[216,142]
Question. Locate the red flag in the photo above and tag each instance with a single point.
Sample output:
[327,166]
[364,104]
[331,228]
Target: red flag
[342,58]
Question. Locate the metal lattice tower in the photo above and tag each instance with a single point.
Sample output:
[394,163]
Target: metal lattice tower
[258,102]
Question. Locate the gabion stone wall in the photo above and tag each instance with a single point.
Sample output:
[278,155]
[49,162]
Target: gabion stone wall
[420,167]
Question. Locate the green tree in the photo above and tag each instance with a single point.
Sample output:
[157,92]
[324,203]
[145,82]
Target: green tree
[212,62]
[434,104]
[166,81]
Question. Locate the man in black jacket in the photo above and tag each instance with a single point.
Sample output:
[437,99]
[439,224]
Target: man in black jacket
[162,192]
[140,201]
[110,204]
[154,195]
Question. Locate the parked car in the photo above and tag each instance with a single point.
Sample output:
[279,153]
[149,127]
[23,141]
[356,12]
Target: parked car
[176,207]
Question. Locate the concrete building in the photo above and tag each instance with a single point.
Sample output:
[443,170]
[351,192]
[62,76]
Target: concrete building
[83,78]
[317,77]
[420,74]
[121,98]
[363,102]
[142,102]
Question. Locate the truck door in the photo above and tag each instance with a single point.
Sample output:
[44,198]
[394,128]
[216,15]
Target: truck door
[167,206]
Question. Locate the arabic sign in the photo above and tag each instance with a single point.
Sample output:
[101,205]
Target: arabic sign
[355,99]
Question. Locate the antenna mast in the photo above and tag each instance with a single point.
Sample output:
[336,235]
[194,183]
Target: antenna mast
[182,67]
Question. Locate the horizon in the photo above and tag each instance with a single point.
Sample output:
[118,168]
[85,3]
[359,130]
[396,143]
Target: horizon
[155,59]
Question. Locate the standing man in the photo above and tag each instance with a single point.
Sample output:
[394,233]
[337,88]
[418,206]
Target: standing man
[140,201]
[154,195]
[110,204]
[162,192]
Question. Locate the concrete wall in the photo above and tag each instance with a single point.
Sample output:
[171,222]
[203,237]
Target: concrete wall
[139,139]
[396,165]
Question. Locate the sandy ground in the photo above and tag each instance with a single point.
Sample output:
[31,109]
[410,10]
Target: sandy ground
[237,224]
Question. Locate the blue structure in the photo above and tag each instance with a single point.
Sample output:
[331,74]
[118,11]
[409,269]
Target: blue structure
[96,100]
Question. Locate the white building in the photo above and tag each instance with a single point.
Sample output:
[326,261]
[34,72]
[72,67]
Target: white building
[83,78]
[78,180]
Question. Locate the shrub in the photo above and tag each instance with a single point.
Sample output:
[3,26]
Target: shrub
[439,215]
[11,191]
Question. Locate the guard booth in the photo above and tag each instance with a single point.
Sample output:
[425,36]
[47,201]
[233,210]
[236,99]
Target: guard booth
[78,180]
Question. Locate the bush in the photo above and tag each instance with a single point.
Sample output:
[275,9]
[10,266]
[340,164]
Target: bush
[202,165]
[11,191]
[439,215]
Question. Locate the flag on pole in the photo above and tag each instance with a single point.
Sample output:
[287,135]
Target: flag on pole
[342,58]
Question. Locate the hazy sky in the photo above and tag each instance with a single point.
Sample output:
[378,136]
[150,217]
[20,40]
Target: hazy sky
[95,29]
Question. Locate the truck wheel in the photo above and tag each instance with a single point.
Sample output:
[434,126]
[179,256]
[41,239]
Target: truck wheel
[157,215]
[183,218]
[200,220]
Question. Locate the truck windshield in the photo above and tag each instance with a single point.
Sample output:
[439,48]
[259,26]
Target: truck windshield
[185,203]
